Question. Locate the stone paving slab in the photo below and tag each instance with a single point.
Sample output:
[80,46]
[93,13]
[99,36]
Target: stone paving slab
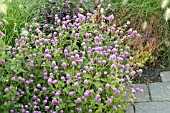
[143,97]
[165,76]
[153,107]
[160,91]
[130,109]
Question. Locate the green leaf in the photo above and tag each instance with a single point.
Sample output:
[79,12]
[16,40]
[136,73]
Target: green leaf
[12,67]
[96,84]
[86,76]
[94,107]
[112,85]
[99,110]
[2,49]
[71,105]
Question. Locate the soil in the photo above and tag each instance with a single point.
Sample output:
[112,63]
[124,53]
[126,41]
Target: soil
[151,74]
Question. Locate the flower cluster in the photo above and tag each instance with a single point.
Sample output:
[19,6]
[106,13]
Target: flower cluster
[79,67]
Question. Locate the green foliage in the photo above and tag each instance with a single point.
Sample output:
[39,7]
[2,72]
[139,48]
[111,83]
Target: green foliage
[85,64]
[18,12]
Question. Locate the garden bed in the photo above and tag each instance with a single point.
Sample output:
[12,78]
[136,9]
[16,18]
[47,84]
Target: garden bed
[151,74]
[66,61]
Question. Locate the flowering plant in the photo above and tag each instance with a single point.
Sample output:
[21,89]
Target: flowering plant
[79,67]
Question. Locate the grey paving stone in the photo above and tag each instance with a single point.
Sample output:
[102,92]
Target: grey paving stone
[153,107]
[130,109]
[165,76]
[160,91]
[143,97]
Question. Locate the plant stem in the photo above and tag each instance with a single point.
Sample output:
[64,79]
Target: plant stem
[169,56]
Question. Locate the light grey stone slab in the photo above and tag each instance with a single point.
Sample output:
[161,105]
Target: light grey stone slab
[153,107]
[160,91]
[165,76]
[143,97]
[130,109]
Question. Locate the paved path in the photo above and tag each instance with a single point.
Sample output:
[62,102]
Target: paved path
[156,97]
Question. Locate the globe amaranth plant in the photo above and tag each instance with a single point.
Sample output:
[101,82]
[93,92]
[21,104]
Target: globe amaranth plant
[51,73]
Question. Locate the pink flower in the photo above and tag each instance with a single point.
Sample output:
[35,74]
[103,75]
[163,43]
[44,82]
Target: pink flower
[64,65]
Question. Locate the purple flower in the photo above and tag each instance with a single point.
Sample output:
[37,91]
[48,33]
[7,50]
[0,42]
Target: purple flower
[91,68]
[38,85]
[131,101]
[64,65]
[53,92]
[109,101]
[44,89]
[67,75]
[111,17]
[101,1]
[55,68]
[90,110]
[118,106]
[48,56]
[79,109]
[133,73]
[53,63]
[32,65]
[64,27]
[95,31]
[117,92]
[71,93]
[114,50]
[141,90]
[54,101]
[131,58]
[113,66]
[55,34]
[67,17]
[87,35]
[54,82]
[57,107]
[63,78]
[112,57]
[1,24]
[76,84]
[140,71]
[78,100]
[104,62]
[13,78]
[38,100]
[74,63]
[121,32]
[57,93]
[2,61]
[99,89]
[85,82]
[76,35]
[120,59]
[6,90]
[114,107]
[77,56]
[47,108]
[134,32]
[137,35]
[35,90]
[50,80]
[86,93]
[12,111]
[107,86]
[34,97]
